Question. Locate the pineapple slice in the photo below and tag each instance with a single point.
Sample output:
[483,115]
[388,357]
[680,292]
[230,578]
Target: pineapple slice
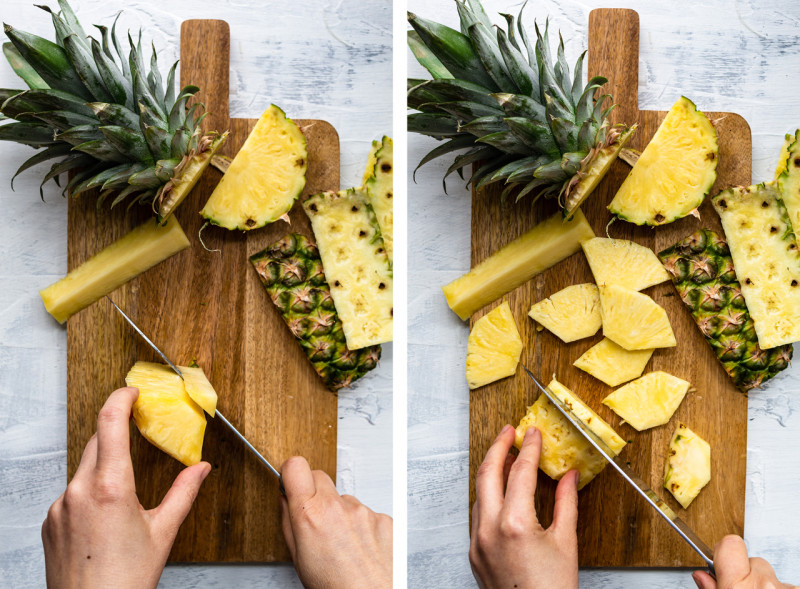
[624,263]
[675,171]
[356,266]
[648,401]
[789,180]
[688,467]
[378,182]
[493,348]
[570,314]
[612,363]
[545,245]
[126,258]
[165,414]
[634,320]
[766,259]
[563,447]
[264,179]
[199,389]
[783,158]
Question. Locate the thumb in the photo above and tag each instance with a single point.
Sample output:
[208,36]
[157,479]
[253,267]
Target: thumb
[703,580]
[179,499]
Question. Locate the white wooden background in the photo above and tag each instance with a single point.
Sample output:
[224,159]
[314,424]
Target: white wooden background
[327,59]
[726,55]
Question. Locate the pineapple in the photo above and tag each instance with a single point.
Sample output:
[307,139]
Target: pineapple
[264,179]
[789,179]
[142,248]
[563,447]
[766,259]
[633,320]
[493,348]
[703,274]
[648,401]
[612,363]
[688,465]
[570,314]
[199,389]
[783,158]
[675,171]
[104,116]
[624,263]
[378,182]
[165,414]
[545,245]
[292,273]
[533,126]
[356,265]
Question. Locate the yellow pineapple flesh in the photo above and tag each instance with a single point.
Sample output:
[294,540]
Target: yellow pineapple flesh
[570,314]
[493,348]
[378,182]
[545,245]
[688,465]
[648,401]
[783,158]
[788,181]
[563,447]
[624,263]
[634,320]
[613,364]
[199,389]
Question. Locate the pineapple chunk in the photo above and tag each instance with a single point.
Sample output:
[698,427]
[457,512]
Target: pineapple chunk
[570,314]
[264,179]
[378,182]
[648,401]
[766,259]
[624,263]
[612,363]
[789,181]
[199,389]
[493,348]
[633,320]
[356,266]
[126,258]
[688,467]
[563,447]
[545,245]
[675,171]
[165,414]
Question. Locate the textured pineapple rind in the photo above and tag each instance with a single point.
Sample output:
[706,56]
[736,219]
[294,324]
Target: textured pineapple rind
[611,363]
[688,466]
[378,183]
[493,348]
[609,260]
[648,401]
[570,314]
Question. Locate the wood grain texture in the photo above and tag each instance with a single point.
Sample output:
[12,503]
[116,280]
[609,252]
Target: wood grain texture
[209,306]
[616,527]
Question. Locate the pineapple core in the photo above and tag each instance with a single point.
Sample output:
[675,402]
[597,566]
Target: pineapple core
[688,467]
[648,401]
[493,348]
[633,320]
[570,314]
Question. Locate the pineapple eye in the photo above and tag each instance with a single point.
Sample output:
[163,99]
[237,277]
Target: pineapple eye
[354,209]
[723,204]
[773,229]
[765,205]
[794,283]
[382,285]
[659,218]
[250,222]
[362,233]
[386,168]
[388,195]
[313,208]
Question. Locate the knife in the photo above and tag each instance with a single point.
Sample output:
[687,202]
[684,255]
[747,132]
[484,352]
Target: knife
[635,480]
[217,414]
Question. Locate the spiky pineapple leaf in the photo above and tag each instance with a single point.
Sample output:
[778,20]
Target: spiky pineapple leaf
[22,68]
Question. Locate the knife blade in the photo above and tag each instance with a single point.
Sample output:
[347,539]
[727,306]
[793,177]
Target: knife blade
[632,478]
[217,413]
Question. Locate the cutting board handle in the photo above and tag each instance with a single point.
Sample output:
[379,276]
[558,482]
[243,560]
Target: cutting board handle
[614,42]
[206,51]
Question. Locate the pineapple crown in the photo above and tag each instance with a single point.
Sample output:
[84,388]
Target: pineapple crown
[526,119]
[101,114]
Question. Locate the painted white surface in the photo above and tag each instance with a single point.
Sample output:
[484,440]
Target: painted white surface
[740,56]
[327,59]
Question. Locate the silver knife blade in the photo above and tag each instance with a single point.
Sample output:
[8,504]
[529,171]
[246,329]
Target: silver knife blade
[217,413]
[633,479]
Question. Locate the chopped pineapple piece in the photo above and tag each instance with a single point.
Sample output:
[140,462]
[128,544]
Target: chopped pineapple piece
[648,401]
[624,263]
[612,363]
[378,182]
[633,320]
[688,465]
[570,314]
[493,348]
[199,389]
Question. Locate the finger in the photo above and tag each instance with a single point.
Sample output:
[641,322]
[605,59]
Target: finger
[88,459]
[475,518]
[113,435]
[565,510]
[179,499]
[489,480]
[731,561]
[507,468]
[703,580]
[523,473]
[286,524]
[298,481]
[759,566]
[324,483]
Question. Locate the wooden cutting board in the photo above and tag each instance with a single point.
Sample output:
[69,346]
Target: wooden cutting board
[210,307]
[616,527]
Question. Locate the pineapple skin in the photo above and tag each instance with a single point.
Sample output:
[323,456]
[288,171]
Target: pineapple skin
[493,348]
[788,178]
[613,364]
[783,158]
[648,401]
[688,465]
[624,263]
[703,274]
[379,186]
[292,274]
[633,320]
[571,314]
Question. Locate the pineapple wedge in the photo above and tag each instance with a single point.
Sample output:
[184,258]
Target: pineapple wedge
[356,265]
[766,259]
[570,314]
[624,263]
[633,320]
[789,180]
[378,182]
[648,401]
[545,245]
[493,348]
[199,389]
[675,171]
[688,466]
[612,363]
[264,179]
[563,447]
[126,258]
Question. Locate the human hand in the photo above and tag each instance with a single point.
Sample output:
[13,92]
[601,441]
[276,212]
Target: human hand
[736,571]
[97,534]
[509,548]
[335,541]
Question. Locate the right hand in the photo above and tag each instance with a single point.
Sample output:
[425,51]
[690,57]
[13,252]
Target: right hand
[736,571]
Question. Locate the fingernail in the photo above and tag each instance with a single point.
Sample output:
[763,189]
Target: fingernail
[503,431]
[206,472]
[577,477]
[532,431]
